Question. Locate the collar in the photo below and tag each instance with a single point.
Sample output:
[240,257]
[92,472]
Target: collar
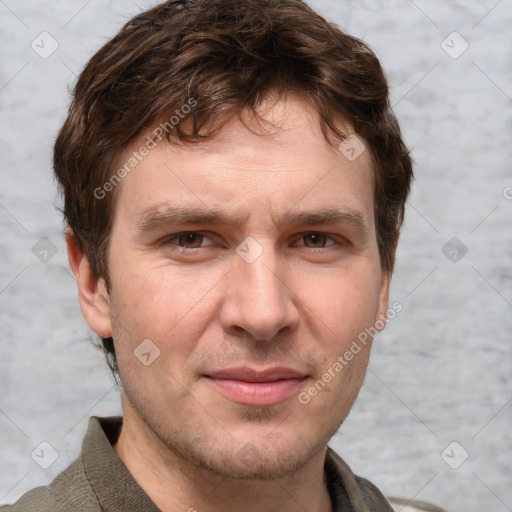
[117,490]
[113,484]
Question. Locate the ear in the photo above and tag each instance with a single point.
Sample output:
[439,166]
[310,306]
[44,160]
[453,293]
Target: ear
[382,313]
[381,317]
[92,292]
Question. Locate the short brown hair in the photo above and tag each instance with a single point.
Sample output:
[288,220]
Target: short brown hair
[228,56]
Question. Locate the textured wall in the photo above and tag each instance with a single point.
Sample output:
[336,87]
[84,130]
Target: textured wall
[440,372]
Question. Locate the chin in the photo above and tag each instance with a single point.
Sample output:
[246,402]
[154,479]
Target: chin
[252,463]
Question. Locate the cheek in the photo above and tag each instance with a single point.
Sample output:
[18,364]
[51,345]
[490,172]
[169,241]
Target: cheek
[346,302]
[163,306]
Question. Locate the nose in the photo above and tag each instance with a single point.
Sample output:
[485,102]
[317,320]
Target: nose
[259,303]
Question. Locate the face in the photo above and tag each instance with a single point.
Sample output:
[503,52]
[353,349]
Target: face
[250,262]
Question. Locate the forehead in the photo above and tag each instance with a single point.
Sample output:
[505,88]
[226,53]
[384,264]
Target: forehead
[251,166]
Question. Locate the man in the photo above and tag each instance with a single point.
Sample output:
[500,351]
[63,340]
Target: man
[234,183]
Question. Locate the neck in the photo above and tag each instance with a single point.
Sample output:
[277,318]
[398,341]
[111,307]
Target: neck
[173,483]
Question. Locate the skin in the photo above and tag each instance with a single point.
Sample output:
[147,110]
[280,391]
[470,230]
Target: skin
[300,304]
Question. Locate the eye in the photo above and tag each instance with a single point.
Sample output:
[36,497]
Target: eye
[316,240]
[189,240]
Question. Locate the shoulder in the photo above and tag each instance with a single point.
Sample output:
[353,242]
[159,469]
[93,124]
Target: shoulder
[69,491]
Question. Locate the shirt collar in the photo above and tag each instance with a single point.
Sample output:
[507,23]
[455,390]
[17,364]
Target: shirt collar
[117,490]
[110,480]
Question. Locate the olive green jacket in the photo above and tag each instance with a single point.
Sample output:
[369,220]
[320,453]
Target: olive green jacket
[98,481]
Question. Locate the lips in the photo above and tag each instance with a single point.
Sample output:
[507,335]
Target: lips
[248,386]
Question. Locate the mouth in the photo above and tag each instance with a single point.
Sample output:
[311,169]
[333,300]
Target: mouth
[247,386]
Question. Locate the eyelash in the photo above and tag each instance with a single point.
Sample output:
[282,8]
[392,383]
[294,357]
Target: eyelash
[168,241]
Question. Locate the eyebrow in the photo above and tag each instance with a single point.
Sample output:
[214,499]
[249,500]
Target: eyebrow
[330,217]
[325,216]
[159,217]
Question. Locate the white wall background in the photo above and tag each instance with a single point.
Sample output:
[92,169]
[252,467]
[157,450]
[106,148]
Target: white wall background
[442,370]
